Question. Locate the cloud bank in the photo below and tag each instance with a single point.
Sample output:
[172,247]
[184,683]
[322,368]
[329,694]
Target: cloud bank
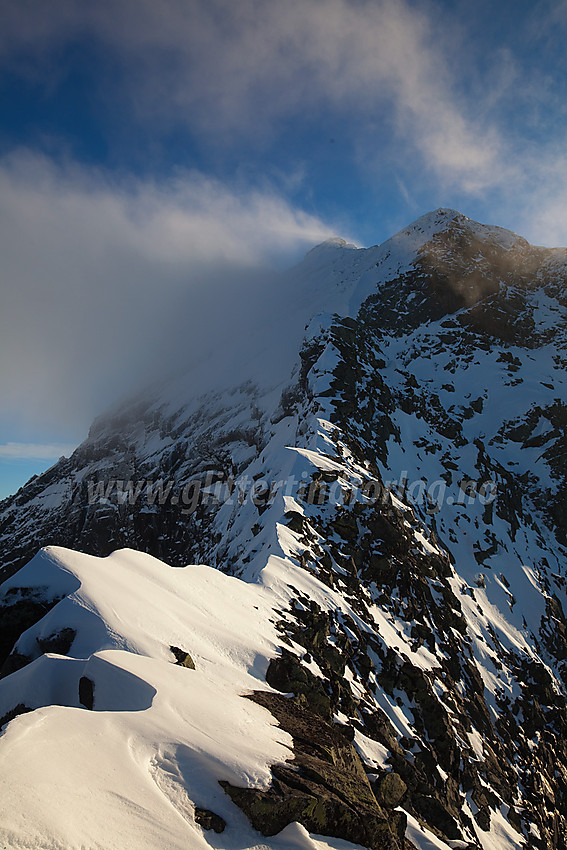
[99,276]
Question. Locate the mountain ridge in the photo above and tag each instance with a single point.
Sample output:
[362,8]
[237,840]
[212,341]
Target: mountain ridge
[401,496]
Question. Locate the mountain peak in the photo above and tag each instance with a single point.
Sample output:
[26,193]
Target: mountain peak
[444,219]
[440,216]
[326,249]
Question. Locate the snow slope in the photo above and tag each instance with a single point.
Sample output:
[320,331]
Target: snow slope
[129,772]
[126,775]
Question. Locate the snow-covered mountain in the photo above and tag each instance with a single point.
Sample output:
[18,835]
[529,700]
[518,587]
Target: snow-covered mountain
[376,650]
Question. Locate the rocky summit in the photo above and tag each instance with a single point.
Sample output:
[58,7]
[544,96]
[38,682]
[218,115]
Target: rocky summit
[373,648]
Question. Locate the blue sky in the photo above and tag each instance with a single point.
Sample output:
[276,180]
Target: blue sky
[147,147]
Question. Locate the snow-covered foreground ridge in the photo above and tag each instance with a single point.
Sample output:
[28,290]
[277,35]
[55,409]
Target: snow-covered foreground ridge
[383,503]
[128,773]
[117,746]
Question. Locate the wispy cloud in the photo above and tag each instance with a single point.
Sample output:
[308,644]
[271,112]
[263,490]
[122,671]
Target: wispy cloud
[403,78]
[242,68]
[34,451]
[406,79]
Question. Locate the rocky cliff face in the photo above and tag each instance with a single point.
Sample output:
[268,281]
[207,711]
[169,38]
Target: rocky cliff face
[407,484]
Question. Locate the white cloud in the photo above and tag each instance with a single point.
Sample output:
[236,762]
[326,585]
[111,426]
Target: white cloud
[34,451]
[403,74]
[250,64]
[229,69]
[97,277]
[405,79]
[542,209]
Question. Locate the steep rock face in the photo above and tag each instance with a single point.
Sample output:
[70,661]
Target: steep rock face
[462,412]
[325,788]
[411,476]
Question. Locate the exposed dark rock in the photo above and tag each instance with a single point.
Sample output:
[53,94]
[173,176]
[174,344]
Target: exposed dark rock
[16,617]
[59,643]
[435,813]
[20,708]
[15,661]
[86,692]
[182,658]
[391,790]
[287,674]
[209,820]
[324,788]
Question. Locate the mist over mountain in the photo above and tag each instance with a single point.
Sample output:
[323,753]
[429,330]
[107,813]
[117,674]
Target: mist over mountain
[366,457]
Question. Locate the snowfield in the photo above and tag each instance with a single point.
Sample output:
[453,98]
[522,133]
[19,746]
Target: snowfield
[128,774]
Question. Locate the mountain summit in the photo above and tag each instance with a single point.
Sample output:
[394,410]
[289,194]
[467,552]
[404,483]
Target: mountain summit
[375,651]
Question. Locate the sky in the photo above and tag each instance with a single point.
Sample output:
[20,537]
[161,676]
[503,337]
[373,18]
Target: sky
[154,155]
